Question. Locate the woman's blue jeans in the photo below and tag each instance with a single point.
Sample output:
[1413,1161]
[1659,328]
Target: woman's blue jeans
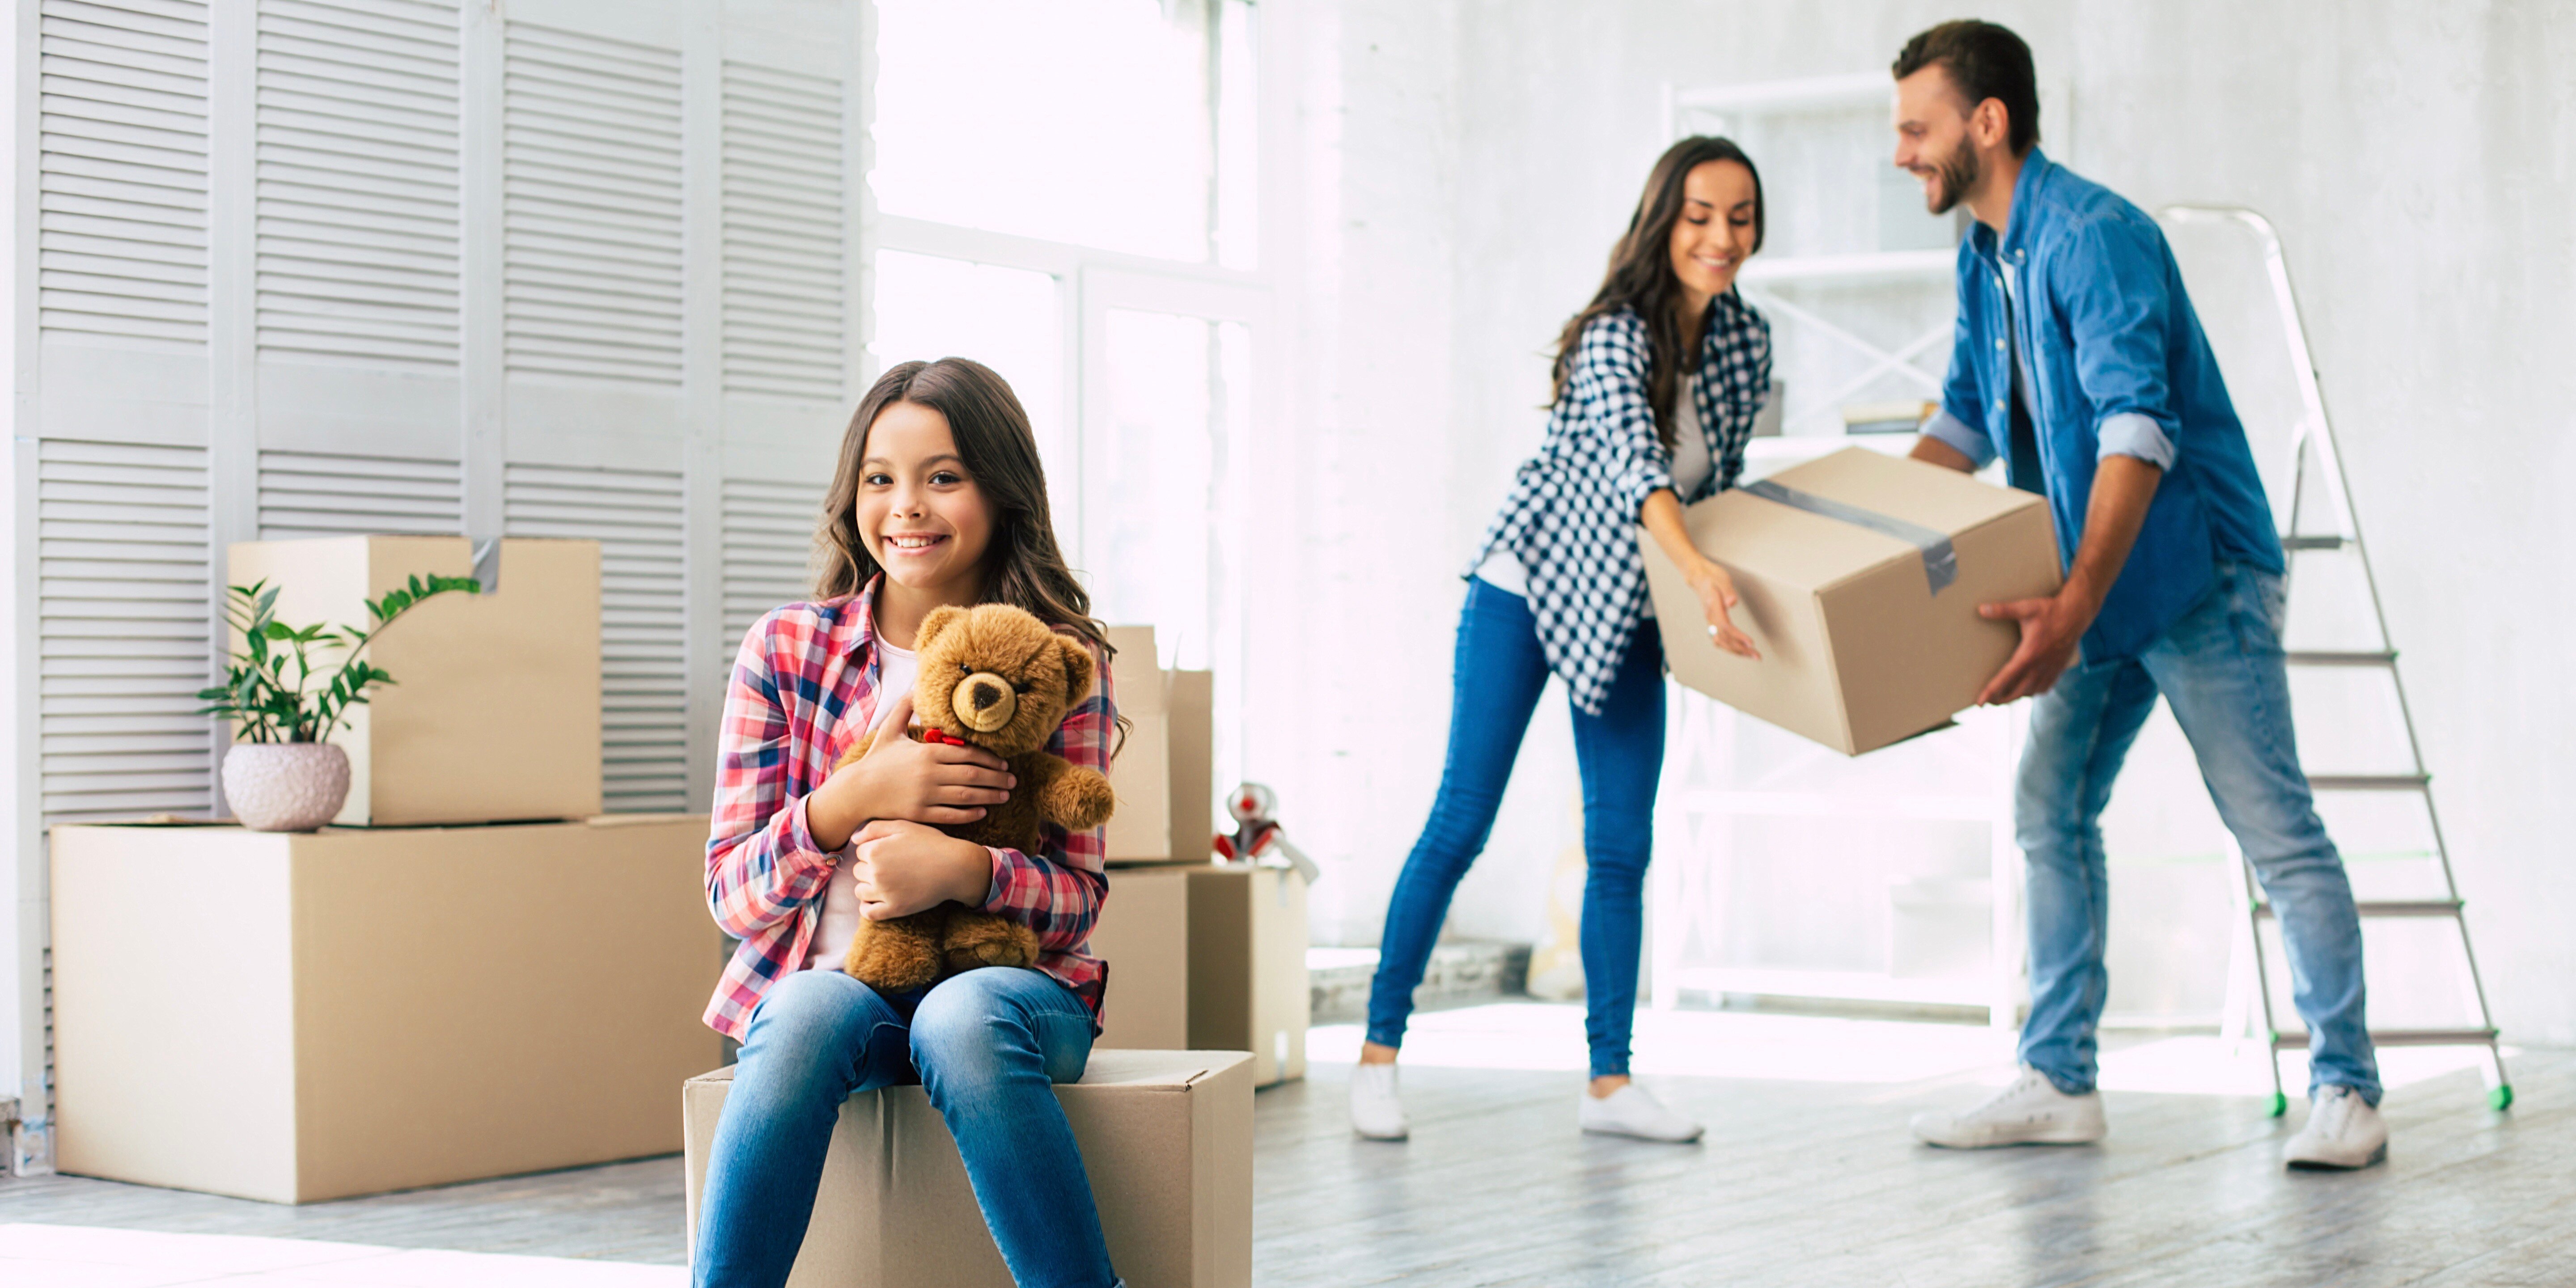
[2222,669]
[1496,682]
[986,1045]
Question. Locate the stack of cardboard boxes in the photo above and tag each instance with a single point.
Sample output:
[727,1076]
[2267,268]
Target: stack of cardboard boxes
[472,974]
[1201,955]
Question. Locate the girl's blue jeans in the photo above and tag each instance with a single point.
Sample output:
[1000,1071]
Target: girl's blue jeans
[2222,670]
[987,1045]
[1496,680]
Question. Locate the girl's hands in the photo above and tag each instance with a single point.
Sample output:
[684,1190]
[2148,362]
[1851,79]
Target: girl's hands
[1716,590]
[900,868]
[899,778]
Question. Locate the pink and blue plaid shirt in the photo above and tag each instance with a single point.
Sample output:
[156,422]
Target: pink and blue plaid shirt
[803,688]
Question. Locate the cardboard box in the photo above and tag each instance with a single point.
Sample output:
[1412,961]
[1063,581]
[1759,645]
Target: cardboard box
[302,1017]
[1141,772]
[1858,649]
[493,713]
[1166,1139]
[1248,988]
[1144,934]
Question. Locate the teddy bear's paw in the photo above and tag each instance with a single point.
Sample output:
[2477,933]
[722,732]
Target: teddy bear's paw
[892,956]
[1078,800]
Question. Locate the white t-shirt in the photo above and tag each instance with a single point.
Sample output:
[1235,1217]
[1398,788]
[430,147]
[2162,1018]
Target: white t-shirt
[839,924]
[1692,467]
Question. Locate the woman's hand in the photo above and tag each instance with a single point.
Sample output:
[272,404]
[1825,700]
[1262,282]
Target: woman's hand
[899,778]
[1716,591]
[900,868]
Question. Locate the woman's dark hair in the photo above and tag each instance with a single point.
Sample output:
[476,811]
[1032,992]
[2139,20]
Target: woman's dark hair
[1641,274]
[1984,60]
[1025,568]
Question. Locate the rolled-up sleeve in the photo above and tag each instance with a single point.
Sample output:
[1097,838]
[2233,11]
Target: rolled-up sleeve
[2129,433]
[1967,439]
[1609,386]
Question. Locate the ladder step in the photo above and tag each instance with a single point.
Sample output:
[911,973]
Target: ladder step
[2329,657]
[2401,1037]
[2314,543]
[2390,908]
[2369,782]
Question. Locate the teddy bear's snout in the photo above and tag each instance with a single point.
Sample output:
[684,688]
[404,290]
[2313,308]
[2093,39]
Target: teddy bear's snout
[985,702]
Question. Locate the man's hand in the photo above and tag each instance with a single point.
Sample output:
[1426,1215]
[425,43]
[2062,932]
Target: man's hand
[900,868]
[2050,630]
[2051,627]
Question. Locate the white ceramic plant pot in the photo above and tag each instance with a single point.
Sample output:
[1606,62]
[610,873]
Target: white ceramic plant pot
[285,786]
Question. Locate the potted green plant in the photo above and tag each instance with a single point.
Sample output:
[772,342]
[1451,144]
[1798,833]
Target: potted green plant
[282,773]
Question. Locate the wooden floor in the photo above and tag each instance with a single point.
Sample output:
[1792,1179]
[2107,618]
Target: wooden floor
[1799,1182]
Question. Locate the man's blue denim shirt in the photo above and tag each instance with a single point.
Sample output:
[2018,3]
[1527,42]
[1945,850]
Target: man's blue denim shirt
[2119,367]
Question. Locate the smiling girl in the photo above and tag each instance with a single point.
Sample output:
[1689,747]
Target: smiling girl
[939,500]
[1657,381]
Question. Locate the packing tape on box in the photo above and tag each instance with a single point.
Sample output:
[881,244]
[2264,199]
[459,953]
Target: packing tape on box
[1940,562]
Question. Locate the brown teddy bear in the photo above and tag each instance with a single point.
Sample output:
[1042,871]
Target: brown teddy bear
[992,676]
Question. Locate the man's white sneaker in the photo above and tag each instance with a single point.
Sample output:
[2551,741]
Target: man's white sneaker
[1376,1111]
[2344,1131]
[1632,1111]
[2032,1111]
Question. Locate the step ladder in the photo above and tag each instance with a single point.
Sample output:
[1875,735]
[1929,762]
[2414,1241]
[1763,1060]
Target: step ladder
[2313,456]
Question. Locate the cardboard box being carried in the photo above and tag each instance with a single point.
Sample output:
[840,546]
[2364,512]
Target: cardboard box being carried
[493,713]
[302,1017]
[1860,576]
[1166,1138]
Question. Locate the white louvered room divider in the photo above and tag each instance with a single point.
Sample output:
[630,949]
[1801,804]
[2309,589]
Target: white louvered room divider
[322,494]
[124,583]
[358,180]
[784,309]
[316,267]
[591,207]
[121,235]
[635,515]
[768,549]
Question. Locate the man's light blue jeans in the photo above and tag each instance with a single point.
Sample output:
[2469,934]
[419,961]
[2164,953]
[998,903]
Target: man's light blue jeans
[2222,669]
[987,1045]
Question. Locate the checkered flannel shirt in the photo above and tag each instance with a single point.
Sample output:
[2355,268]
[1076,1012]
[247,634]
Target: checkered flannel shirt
[1571,518]
[804,687]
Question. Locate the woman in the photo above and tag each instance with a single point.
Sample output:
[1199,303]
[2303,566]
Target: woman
[1656,384]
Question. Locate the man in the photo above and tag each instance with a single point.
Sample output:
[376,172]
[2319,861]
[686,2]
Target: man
[2080,360]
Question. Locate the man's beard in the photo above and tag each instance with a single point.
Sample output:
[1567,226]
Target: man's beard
[1958,173]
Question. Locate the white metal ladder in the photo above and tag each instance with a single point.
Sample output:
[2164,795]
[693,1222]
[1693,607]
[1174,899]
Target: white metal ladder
[2312,444]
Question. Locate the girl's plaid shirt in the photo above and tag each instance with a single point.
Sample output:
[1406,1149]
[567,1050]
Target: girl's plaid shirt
[803,687]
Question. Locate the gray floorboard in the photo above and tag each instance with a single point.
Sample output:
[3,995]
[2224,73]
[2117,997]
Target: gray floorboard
[1797,1183]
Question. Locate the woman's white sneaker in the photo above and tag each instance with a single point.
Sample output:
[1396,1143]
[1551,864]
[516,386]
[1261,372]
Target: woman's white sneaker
[1631,1111]
[2344,1131]
[1376,1111]
[2032,1111]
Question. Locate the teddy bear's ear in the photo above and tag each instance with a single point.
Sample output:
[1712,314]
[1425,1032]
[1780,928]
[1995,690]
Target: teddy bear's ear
[939,620]
[1077,668]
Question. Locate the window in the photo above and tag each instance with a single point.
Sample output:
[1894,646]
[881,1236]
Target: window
[1121,125]
[1065,192]
[1009,319]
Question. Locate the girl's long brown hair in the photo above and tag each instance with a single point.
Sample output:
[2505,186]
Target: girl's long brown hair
[1023,565]
[1641,274]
